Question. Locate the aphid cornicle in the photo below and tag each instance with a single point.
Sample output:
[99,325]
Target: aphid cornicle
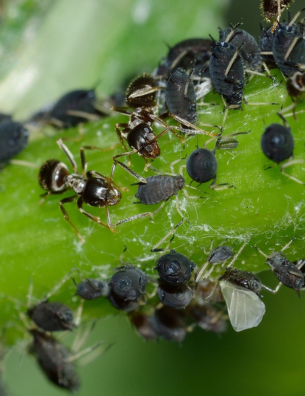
[286,272]
[177,297]
[128,283]
[52,316]
[91,188]
[13,139]
[91,289]
[175,268]
[53,359]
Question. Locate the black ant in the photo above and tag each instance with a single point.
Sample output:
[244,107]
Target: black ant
[91,188]
[138,132]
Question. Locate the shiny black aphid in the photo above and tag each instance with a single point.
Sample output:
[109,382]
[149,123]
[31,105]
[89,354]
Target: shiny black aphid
[177,297]
[249,49]
[143,325]
[90,289]
[159,188]
[242,278]
[169,324]
[13,139]
[74,108]
[52,316]
[53,359]
[283,43]
[219,254]
[175,268]
[202,165]
[121,303]
[184,53]
[180,96]
[94,189]
[228,83]
[286,272]
[207,317]
[128,283]
[277,142]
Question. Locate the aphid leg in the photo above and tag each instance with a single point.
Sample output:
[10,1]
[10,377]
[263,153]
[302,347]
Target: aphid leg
[59,284]
[156,248]
[46,194]
[193,129]
[289,163]
[24,163]
[66,216]
[138,216]
[200,273]
[68,153]
[83,114]
[238,253]
[178,206]
[288,244]
[94,218]
[82,336]
[79,313]
[221,186]
[91,353]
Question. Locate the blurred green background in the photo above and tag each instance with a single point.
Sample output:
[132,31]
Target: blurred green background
[49,47]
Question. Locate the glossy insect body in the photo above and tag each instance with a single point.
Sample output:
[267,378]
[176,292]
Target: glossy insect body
[159,188]
[295,85]
[228,83]
[128,283]
[90,289]
[143,325]
[243,279]
[250,50]
[277,142]
[143,139]
[177,297]
[52,316]
[288,48]
[74,108]
[202,165]
[53,359]
[266,44]
[13,139]
[180,96]
[286,272]
[175,268]
[121,303]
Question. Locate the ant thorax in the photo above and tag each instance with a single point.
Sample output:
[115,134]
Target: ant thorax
[142,115]
[76,182]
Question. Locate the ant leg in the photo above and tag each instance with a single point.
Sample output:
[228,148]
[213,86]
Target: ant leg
[68,153]
[94,218]
[127,169]
[238,253]
[82,154]
[289,163]
[46,194]
[121,110]
[66,216]
[119,133]
[97,174]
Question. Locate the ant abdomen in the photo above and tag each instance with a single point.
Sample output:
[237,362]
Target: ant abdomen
[143,139]
[52,175]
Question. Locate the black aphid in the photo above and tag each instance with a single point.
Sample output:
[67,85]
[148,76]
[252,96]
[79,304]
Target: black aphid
[13,139]
[169,324]
[53,359]
[227,73]
[90,289]
[175,268]
[121,303]
[52,316]
[249,48]
[208,317]
[143,325]
[75,107]
[219,254]
[277,142]
[177,297]
[243,278]
[91,188]
[288,47]
[286,272]
[128,283]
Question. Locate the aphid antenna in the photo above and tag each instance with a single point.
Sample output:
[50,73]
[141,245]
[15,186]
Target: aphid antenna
[82,335]
[233,31]
[235,55]
[59,284]
[291,22]
[24,163]
[122,257]
[79,312]
[292,45]
[156,248]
